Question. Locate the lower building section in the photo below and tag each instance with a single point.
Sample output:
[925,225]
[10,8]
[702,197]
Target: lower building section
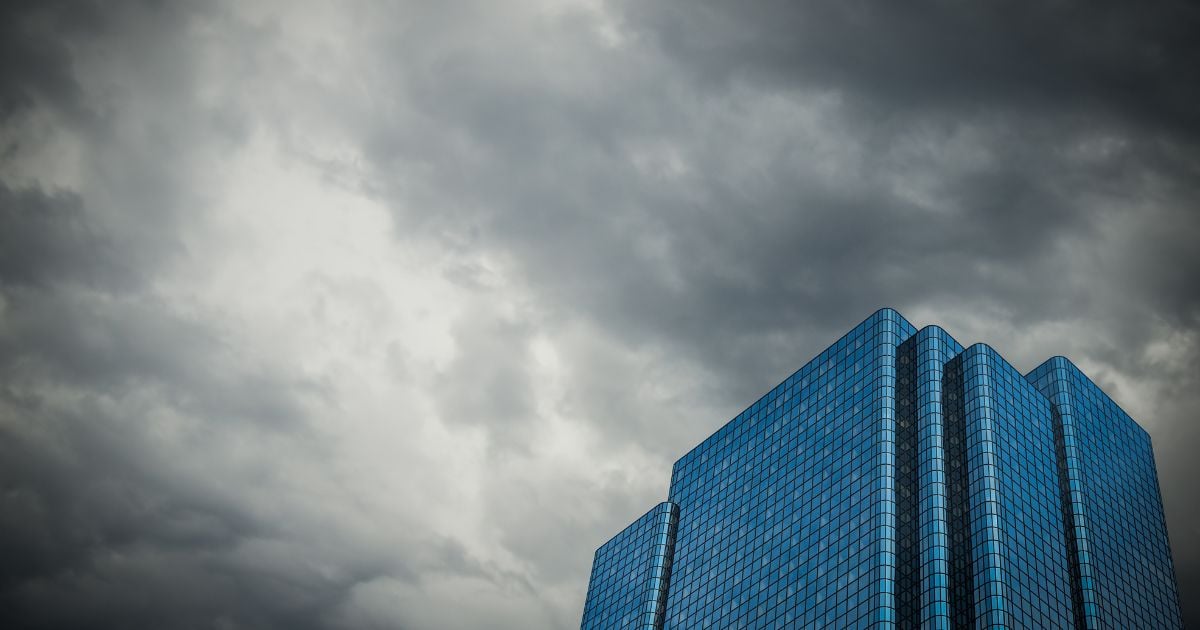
[631,574]
[900,480]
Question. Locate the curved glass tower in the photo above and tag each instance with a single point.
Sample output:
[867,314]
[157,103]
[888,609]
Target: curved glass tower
[900,480]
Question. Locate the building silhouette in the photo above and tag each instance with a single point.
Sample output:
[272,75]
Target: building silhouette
[900,480]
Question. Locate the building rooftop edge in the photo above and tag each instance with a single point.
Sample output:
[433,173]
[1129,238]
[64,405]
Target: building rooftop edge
[1069,365]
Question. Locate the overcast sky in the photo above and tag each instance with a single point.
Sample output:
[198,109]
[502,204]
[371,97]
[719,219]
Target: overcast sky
[387,315]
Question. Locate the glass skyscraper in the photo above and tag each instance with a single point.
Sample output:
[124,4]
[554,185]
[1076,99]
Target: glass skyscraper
[900,480]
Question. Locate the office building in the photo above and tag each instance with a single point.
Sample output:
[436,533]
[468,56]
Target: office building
[900,480]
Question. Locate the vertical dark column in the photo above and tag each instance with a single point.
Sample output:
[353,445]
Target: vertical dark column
[962,612]
[655,605]
[908,537]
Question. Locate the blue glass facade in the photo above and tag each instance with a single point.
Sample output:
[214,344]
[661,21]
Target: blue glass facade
[1117,533]
[630,574]
[1021,577]
[901,480]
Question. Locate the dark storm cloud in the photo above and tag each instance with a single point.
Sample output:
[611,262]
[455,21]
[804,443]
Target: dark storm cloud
[1135,64]
[94,513]
[100,511]
[697,197]
[36,63]
[48,236]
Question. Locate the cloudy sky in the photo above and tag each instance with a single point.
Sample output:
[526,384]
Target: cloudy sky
[387,315]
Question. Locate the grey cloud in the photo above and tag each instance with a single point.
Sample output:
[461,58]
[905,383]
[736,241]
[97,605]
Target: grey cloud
[115,344]
[96,511]
[102,510]
[123,502]
[48,237]
[80,483]
[36,61]
[487,383]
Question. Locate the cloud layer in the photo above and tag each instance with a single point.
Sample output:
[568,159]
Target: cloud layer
[388,315]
